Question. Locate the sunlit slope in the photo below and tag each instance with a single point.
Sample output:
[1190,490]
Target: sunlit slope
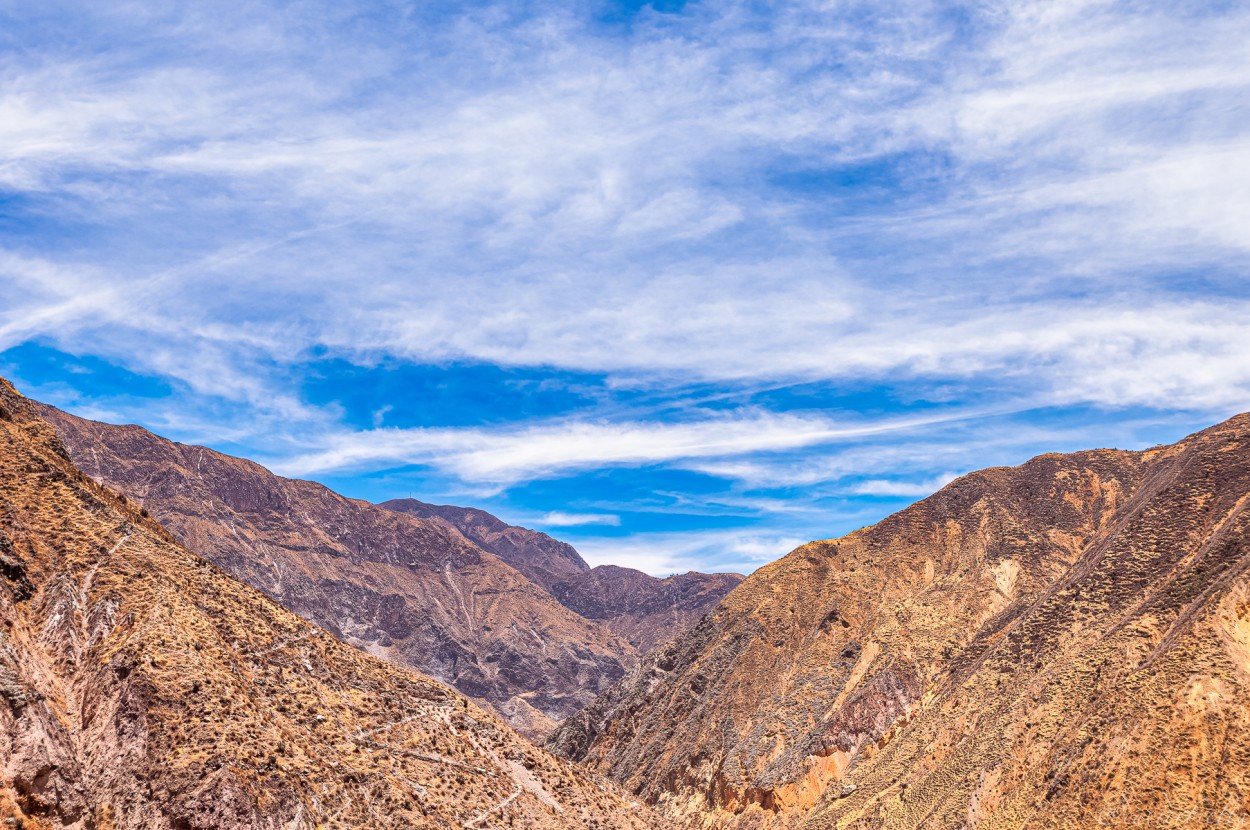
[1066,643]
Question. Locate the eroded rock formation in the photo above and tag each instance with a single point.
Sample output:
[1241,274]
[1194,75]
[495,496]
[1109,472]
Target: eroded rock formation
[642,609]
[410,590]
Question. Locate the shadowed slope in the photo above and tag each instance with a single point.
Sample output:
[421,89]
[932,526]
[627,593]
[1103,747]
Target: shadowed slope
[141,687]
[1059,644]
[413,591]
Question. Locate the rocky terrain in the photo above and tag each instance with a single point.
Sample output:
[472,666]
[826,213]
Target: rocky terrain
[644,610]
[541,558]
[410,590]
[450,591]
[142,688]
[1061,644]
[641,608]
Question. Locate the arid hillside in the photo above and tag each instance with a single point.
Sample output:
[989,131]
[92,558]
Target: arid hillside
[410,590]
[535,554]
[1061,644]
[642,609]
[142,688]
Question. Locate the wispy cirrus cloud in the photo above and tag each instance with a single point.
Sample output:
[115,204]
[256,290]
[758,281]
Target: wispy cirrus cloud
[663,554]
[1022,141]
[532,451]
[893,487]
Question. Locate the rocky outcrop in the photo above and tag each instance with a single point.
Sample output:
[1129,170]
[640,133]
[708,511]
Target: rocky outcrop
[141,688]
[640,608]
[1061,644]
[411,590]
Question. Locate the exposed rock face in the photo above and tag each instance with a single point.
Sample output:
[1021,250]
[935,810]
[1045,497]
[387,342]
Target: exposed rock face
[411,590]
[1062,644]
[641,608]
[141,688]
[644,610]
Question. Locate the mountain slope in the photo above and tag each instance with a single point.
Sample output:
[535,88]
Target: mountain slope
[535,554]
[413,591]
[1062,644]
[640,608]
[143,689]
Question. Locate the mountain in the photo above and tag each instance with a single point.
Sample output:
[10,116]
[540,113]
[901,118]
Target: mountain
[411,590]
[642,609]
[1061,644]
[141,688]
[540,557]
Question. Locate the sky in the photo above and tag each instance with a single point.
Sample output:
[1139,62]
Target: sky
[685,284]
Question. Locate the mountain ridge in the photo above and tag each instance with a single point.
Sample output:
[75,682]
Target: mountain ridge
[412,591]
[452,592]
[642,609]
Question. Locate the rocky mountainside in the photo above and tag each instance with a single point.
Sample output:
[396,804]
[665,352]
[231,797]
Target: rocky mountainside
[1061,644]
[141,688]
[413,591]
[540,557]
[641,608]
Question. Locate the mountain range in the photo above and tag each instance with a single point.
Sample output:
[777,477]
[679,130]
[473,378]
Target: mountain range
[189,641]
[143,688]
[506,615]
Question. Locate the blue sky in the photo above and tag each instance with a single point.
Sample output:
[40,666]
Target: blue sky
[686,284]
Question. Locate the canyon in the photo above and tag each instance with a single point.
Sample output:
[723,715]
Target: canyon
[1065,643]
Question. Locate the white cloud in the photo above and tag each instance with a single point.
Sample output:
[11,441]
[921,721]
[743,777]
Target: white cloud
[888,487]
[560,518]
[523,210]
[532,451]
[662,554]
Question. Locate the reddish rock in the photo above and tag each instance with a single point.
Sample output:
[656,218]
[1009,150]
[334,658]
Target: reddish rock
[410,590]
[641,608]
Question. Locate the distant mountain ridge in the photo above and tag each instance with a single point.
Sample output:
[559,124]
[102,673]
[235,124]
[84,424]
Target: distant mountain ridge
[468,607]
[643,609]
[1057,645]
[141,688]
